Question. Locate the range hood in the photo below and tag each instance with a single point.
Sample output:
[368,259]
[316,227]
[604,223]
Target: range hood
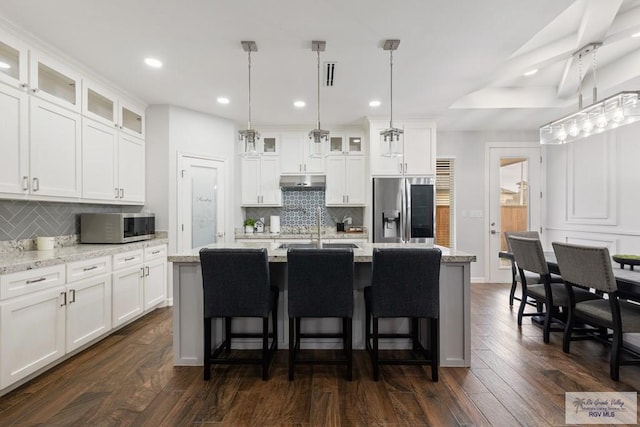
[302,182]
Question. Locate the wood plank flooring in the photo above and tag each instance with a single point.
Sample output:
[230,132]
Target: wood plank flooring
[129,379]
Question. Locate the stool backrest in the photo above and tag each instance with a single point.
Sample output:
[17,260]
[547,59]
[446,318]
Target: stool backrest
[320,282]
[586,266]
[405,282]
[235,282]
[528,254]
[527,234]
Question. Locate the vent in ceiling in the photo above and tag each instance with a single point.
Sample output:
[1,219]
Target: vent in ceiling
[329,73]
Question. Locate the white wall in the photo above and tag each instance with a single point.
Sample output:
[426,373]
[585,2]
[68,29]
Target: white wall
[468,150]
[601,207]
[157,164]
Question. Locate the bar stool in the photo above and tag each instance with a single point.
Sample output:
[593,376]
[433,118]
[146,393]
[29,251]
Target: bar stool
[320,285]
[236,283]
[404,283]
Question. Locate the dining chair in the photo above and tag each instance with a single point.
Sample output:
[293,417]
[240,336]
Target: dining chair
[529,257]
[236,283]
[405,283]
[320,285]
[590,267]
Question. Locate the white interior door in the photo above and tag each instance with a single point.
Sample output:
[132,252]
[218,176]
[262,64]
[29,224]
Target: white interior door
[514,201]
[200,202]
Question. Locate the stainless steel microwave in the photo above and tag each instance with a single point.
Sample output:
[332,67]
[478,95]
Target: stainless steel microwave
[116,227]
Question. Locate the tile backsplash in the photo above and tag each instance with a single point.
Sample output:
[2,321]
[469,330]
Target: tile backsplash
[299,210]
[20,219]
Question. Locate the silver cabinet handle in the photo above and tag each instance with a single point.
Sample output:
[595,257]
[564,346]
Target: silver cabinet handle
[35,90]
[141,271]
[93,267]
[116,192]
[36,184]
[258,197]
[64,299]
[131,258]
[155,252]
[147,272]
[25,183]
[42,279]
[73,296]
[122,193]
[24,85]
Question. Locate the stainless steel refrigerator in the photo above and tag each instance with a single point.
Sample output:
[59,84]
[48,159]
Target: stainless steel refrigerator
[403,210]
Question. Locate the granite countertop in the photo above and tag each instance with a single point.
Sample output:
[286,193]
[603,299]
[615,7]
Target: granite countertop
[302,235]
[362,254]
[11,262]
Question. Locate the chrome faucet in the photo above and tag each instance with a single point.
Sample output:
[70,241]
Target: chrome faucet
[319,220]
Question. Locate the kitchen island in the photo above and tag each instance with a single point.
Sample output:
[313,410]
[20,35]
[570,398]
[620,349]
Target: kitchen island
[455,322]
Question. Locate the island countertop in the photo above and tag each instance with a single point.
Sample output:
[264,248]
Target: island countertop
[362,254]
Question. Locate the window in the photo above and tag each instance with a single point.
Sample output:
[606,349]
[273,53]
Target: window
[445,224]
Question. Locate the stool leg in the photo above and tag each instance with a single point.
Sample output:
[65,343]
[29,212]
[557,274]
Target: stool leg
[414,333]
[349,347]
[274,320]
[207,349]
[374,352]
[227,332]
[265,348]
[292,347]
[435,351]
[367,329]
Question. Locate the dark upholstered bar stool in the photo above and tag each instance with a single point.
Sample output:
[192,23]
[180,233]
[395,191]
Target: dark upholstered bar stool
[590,267]
[236,283]
[515,276]
[404,283]
[320,283]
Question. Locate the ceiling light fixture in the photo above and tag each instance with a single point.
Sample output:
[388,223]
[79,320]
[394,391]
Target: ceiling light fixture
[250,136]
[318,134]
[531,72]
[612,112]
[222,100]
[153,62]
[374,103]
[391,135]
[299,104]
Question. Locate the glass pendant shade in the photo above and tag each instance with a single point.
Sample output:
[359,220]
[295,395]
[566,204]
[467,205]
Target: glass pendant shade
[391,139]
[610,113]
[319,136]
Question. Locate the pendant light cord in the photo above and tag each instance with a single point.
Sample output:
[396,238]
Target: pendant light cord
[249,125]
[391,86]
[318,52]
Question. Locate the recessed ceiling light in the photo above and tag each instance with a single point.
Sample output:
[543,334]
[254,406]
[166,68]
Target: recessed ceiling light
[374,103]
[531,72]
[4,65]
[299,104]
[222,100]
[153,62]
[636,35]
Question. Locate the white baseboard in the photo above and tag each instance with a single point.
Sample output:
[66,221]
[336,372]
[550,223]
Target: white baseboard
[478,280]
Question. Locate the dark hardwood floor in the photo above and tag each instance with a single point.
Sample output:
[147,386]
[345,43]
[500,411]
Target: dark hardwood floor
[128,379]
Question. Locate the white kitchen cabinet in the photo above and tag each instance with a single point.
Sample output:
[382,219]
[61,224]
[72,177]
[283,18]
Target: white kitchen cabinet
[261,181]
[88,310]
[417,150]
[155,276]
[131,167]
[131,118]
[55,150]
[296,153]
[127,293]
[53,81]
[345,181]
[14,55]
[345,144]
[14,161]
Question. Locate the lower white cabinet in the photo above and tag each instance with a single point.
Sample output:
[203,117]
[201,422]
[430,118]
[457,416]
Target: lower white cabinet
[32,333]
[127,294]
[88,310]
[155,276]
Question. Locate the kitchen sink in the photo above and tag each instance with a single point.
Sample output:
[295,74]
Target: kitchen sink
[314,245]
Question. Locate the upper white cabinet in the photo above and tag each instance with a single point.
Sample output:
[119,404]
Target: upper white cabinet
[54,81]
[417,149]
[14,161]
[131,167]
[296,155]
[345,181]
[13,59]
[345,144]
[261,181]
[54,150]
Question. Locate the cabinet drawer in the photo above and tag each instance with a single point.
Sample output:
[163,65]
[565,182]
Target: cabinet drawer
[155,252]
[84,269]
[127,259]
[24,282]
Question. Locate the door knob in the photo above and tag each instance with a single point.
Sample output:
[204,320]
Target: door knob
[495,232]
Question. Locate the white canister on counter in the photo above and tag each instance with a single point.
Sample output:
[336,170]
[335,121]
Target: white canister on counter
[45,243]
[274,223]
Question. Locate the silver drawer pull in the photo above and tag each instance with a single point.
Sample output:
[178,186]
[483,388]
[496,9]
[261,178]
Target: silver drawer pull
[155,252]
[42,279]
[131,258]
[93,267]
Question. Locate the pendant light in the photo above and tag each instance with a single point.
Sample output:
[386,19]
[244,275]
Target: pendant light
[249,136]
[318,135]
[617,110]
[391,137]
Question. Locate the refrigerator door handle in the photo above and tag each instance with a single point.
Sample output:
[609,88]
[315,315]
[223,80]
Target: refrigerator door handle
[407,207]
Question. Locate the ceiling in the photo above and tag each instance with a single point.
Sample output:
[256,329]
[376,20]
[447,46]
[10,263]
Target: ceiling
[459,62]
